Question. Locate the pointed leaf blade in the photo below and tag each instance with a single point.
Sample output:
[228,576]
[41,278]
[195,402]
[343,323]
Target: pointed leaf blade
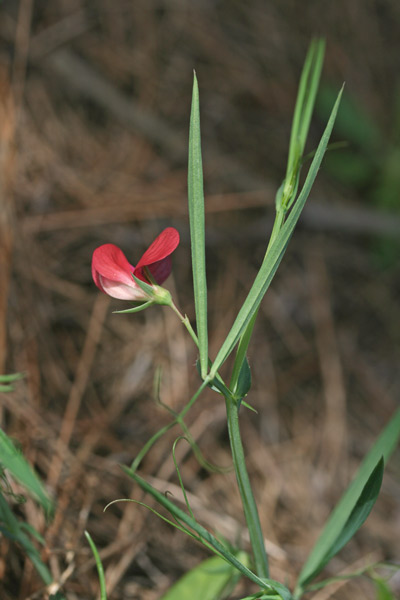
[276,252]
[12,459]
[197,228]
[340,518]
[207,538]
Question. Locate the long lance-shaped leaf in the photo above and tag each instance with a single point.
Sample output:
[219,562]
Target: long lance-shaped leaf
[340,519]
[197,235]
[305,101]
[99,565]
[276,252]
[180,515]
[12,459]
[12,529]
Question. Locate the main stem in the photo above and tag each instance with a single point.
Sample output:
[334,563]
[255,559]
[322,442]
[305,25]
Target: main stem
[232,411]
[246,493]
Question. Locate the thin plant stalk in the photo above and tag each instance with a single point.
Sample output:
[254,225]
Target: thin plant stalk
[246,492]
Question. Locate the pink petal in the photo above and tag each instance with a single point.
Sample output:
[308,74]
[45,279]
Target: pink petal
[121,290]
[162,247]
[109,262]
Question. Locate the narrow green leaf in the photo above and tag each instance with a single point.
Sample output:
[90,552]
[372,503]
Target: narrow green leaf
[135,309]
[358,515]
[4,389]
[208,538]
[12,459]
[361,509]
[305,101]
[383,591]
[312,88]
[207,581]
[275,253]
[11,528]
[362,487]
[10,378]
[365,570]
[99,566]
[197,227]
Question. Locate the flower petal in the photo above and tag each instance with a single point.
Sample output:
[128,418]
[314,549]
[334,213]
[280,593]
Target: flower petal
[160,270]
[162,247]
[110,263]
[121,290]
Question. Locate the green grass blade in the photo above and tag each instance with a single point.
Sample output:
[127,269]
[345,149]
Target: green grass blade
[99,566]
[207,581]
[367,570]
[339,534]
[275,253]
[294,144]
[11,378]
[383,591]
[305,101]
[361,509]
[312,89]
[6,382]
[197,234]
[208,538]
[339,518]
[11,528]
[12,459]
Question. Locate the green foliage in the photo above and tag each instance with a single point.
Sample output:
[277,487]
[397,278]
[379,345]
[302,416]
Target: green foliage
[197,228]
[208,581]
[383,591]
[12,459]
[6,381]
[186,523]
[354,506]
[99,565]
[275,253]
[305,102]
[287,192]
[13,529]
[135,309]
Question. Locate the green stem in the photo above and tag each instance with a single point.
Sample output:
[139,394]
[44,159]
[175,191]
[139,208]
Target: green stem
[178,420]
[278,222]
[248,501]
[246,493]
[185,321]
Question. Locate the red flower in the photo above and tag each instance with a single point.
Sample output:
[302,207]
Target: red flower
[112,273]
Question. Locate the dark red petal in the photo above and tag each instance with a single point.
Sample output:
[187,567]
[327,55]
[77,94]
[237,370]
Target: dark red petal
[160,270]
[111,263]
[162,247]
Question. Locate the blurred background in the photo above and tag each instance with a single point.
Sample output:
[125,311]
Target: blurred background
[94,111]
